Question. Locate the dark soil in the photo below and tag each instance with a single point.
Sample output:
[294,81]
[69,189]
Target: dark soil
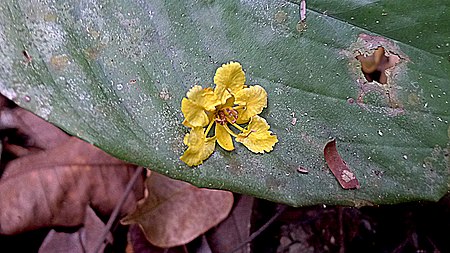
[411,227]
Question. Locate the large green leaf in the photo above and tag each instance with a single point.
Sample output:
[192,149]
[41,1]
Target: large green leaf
[114,74]
[424,25]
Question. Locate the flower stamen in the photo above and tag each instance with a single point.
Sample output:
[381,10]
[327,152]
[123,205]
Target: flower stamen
[229,131]
[232,115]
[221,118]
[238,127]
[209,127]
[226,115]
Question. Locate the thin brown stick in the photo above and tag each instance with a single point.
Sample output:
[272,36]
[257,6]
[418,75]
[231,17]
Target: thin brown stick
[341,229]
[435,248]
[116,210]
[260,230]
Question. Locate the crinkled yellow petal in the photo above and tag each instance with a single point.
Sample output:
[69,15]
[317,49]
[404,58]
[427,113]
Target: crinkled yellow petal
[229,78]
[251,101]
[186,139]
[224,138]
[199,147]
[229,103]
[187,124]
[194,114]
[257,136]
[203,97]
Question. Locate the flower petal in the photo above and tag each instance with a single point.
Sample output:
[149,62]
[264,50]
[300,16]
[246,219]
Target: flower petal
[257,136]
[199,147]
[229,78]
[224,138]
[252,101]
[203,97]
[194,114]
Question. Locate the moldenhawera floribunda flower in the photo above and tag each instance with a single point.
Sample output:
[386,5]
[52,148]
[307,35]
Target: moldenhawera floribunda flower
[231,102]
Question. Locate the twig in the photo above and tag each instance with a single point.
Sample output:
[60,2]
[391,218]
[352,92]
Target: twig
[341,229]
[400,247]
[435,248]
[116,210]
[260,230]
[303,11]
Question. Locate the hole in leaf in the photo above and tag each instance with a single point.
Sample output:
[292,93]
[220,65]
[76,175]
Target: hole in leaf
[374,66]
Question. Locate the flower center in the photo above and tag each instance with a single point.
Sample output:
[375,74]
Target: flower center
[225,115]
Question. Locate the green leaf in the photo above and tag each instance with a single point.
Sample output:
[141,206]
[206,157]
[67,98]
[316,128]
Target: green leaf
[424,25]
[114,73]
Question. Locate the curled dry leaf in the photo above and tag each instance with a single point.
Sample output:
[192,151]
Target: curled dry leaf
[81,241]
[72,152]
[235,229]
[339,167]
[58,196]
[40,134]
[54,187]
[138,243]
[175,212]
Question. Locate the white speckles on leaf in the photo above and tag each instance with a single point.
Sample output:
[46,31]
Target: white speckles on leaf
[6,63]
[48,38]
[90,15]
[164,94]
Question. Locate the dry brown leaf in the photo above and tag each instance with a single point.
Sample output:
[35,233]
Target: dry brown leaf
[40,133]
[138,243]
[234,229]
[72,152]
[81,241]
[339,167]
[56,179]
[175,212]
[58,196]
[54,187]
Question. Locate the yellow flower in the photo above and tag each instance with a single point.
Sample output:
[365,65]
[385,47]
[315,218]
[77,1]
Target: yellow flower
[199,147]
[229,79]
[231,102]
[195,107]
[257,137]
[251,102]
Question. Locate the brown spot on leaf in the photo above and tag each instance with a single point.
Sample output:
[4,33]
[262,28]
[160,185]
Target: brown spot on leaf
[301,26]
[339,167]
[280,17]
[59,62]
[50,17]
[93,52]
